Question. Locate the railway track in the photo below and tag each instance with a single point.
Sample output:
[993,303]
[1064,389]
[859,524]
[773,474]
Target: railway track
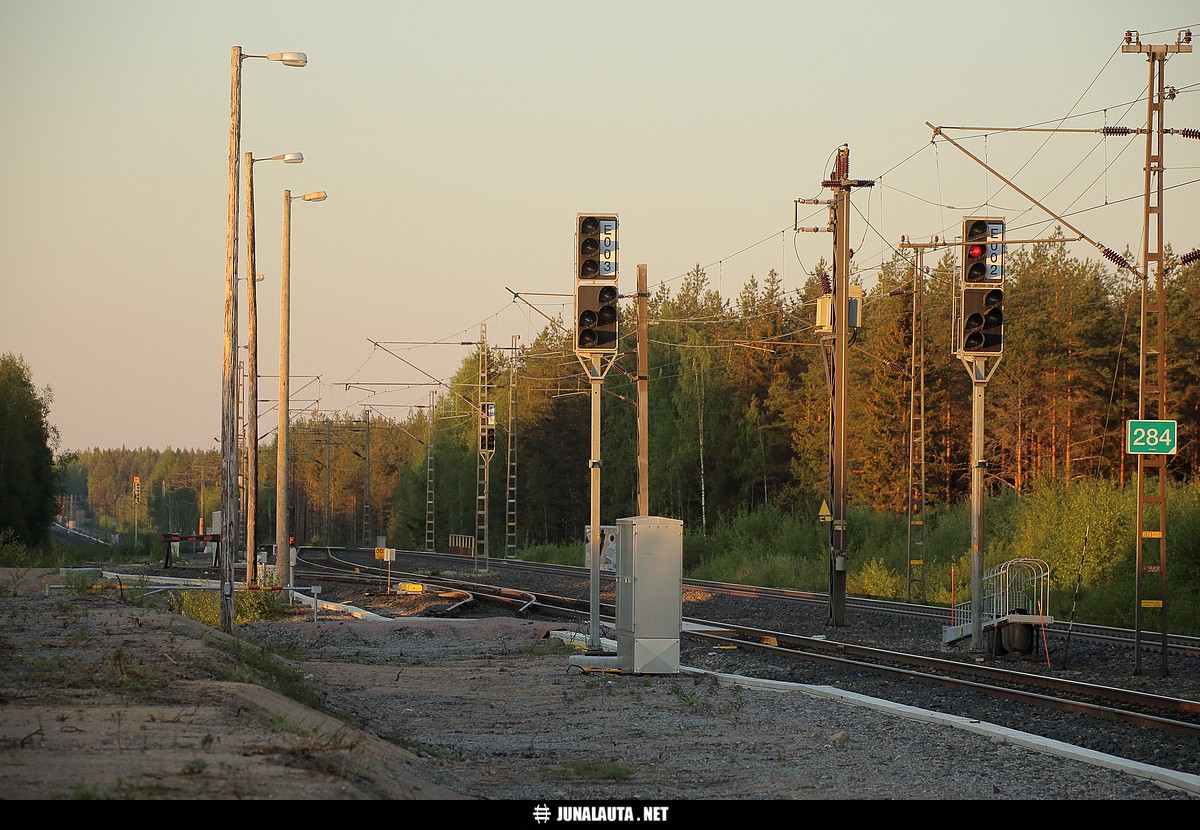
[895,653]
[1145,709]
[890,651]
[1060,631]
[333,563]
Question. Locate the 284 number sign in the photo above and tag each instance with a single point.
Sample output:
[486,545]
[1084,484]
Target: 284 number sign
[1151,437]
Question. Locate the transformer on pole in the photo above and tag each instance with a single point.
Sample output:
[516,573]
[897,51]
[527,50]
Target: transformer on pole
[836,317]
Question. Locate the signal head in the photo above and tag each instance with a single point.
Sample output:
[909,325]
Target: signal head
[595,246]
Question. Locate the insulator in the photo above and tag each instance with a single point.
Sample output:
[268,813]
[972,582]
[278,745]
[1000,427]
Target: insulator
[826,284]
[1115,258]
[1189,133]
[1116,131]
[1189,257]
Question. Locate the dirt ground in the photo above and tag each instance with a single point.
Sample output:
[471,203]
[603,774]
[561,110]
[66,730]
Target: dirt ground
[102,699]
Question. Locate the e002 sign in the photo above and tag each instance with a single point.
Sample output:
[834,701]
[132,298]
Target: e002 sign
[1150,437]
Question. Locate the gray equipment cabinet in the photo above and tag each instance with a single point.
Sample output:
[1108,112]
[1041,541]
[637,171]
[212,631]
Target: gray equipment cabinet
[649,585]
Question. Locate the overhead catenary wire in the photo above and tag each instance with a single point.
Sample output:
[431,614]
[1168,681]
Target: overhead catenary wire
[1055,125]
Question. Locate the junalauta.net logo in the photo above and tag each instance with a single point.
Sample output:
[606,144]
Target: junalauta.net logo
[587,813]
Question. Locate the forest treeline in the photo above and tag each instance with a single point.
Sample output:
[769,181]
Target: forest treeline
[28,471]
[738,416]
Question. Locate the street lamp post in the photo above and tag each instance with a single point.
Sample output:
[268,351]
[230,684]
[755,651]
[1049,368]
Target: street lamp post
[283,547]
[229,460]
[252,366]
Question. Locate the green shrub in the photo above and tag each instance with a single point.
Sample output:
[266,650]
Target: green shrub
[874,579]
[554,554]
[1089,525]
[248,606]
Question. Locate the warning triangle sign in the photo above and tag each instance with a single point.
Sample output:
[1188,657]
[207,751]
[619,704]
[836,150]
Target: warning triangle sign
[825,515]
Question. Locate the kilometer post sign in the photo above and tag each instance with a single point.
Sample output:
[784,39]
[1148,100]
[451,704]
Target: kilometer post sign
[1150,437]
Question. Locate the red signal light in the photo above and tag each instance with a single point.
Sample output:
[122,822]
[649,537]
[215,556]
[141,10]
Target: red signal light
[982,322]
[975,237]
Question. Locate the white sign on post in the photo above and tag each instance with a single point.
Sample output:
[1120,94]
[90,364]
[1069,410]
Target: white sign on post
[608,249]
[994,258]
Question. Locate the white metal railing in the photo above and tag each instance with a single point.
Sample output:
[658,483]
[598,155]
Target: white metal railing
[1019,586]
[461,543]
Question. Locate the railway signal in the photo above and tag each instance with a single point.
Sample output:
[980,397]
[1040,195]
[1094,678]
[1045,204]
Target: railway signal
[596,318]
[596,269]
[487,427]
[982,319]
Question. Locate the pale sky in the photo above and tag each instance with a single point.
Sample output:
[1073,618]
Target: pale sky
[457,141]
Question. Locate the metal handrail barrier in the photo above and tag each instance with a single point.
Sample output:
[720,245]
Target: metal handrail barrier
[1019,586]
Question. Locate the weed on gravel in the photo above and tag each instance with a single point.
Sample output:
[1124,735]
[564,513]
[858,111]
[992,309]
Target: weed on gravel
[588,771]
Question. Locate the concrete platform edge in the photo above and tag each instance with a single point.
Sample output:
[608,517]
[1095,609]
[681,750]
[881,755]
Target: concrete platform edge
[1159,775]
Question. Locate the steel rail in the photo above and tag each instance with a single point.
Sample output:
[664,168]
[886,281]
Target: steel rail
[1142,719]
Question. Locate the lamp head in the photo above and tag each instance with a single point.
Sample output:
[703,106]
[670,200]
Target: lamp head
[316,196]
[290,58]
[286,158]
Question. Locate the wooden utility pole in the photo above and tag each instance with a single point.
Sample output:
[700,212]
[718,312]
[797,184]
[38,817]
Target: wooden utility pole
[229,459]
[251,398]
[836,352]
